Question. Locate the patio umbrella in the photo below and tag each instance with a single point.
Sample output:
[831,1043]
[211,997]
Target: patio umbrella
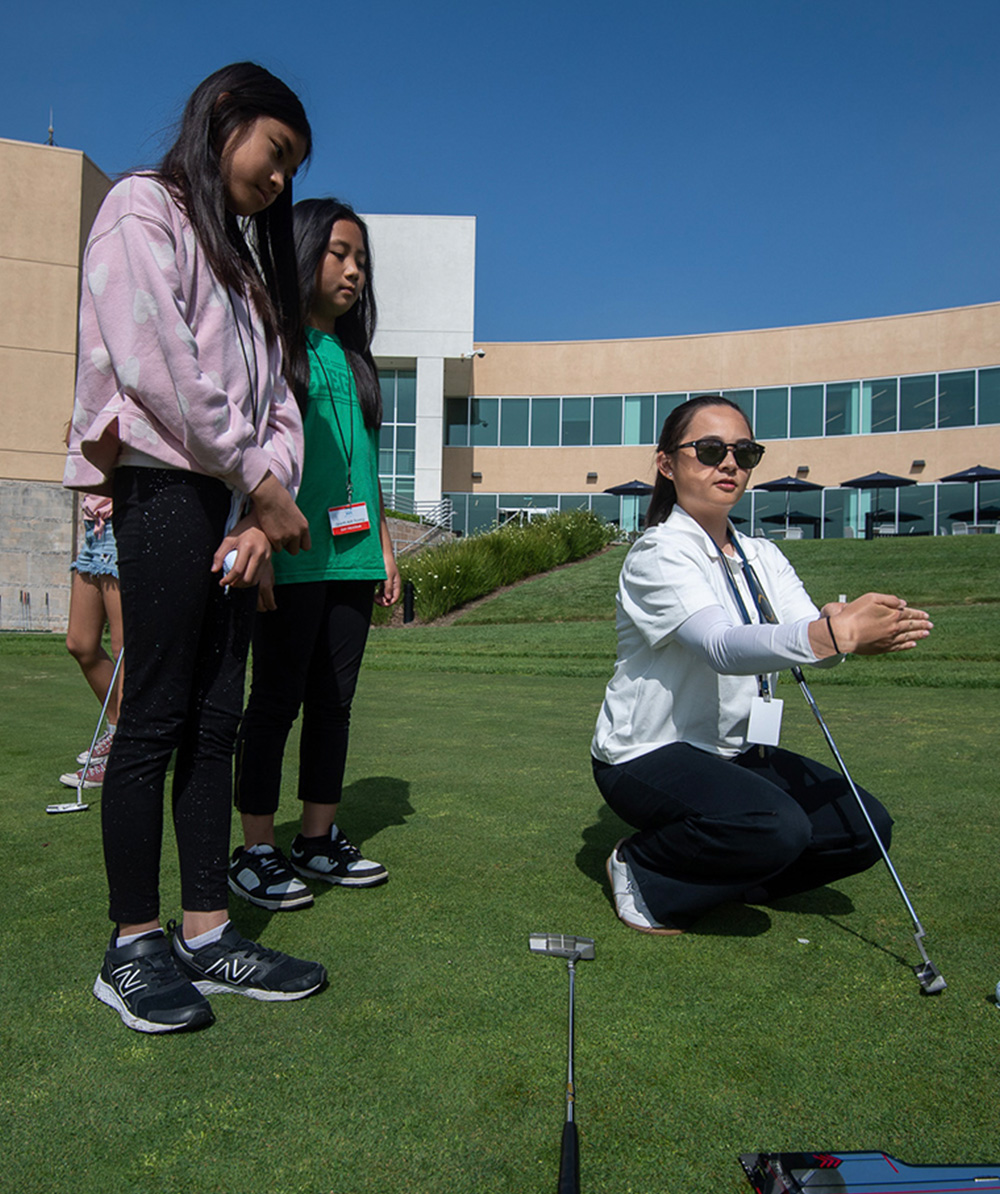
[630,489]
[877,481]
[978,472]
[980,513]
[787,486]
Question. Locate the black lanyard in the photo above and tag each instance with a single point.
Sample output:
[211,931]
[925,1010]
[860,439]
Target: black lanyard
[348,449]
[765,611]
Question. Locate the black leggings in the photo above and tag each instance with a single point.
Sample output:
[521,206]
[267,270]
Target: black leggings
[186,644]
[306,653]
[760,826]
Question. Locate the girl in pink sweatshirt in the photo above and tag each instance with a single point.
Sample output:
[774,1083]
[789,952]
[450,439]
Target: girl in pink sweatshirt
[189,307]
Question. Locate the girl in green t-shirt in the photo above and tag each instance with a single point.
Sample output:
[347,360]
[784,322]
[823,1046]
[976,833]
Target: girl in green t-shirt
[314,615]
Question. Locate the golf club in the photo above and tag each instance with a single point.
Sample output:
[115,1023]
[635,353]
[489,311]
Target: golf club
[930,978]
[573,949]
[78,806]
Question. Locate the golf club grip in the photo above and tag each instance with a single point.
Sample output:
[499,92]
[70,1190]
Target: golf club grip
[569,1161]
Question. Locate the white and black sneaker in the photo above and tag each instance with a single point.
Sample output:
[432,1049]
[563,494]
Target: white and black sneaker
[234,964]
[334,859]
[142,983]
[630,907]
[264,876]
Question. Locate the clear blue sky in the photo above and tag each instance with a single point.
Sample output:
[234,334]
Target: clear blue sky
[636,169]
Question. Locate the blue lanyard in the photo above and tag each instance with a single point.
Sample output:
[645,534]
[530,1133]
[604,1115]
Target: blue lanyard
[765,611]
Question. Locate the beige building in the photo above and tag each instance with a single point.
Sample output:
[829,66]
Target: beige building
[499,427]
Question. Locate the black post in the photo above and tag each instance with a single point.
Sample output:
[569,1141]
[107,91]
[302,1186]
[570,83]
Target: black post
[408,602]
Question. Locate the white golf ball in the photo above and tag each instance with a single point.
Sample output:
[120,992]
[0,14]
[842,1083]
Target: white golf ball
[229,562]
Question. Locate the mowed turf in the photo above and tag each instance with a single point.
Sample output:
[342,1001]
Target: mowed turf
[435,1061]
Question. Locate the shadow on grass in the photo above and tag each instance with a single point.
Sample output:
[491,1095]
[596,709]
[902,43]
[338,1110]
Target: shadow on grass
[370,805]
[599,839]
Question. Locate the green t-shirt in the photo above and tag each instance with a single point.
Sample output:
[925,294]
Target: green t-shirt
[335,431]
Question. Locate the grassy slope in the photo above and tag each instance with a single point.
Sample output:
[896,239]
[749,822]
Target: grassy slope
[436,1060]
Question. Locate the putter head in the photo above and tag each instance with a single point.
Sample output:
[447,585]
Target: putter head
[73,806]
[557,945]
[930,978]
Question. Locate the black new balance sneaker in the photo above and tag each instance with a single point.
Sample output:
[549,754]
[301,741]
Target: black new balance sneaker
[336,860]
[263,875]
[142,983]
[246,968]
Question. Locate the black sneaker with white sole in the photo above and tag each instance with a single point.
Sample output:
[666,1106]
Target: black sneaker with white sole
[335,860]
[234,964]
[264,876]
[143,984]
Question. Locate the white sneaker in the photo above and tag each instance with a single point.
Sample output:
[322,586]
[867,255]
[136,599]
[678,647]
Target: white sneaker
[630,907]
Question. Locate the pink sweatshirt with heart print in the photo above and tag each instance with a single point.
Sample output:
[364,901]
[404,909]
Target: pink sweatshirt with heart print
[174,368]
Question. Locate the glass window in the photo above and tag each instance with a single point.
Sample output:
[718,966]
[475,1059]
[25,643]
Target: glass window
[954,505]
[606,506]
[459,504]
[957,399]
[482,512]
[640,410]
[744,400]
[916,510]
[514,422]
[386,438]
[574,501]
[839,512]
[456,415]
[608,420]
[666,404]
[406,396]
[988,509]
[485,414]
[807,411]
[741,513]
[770,419]
[575,421]
[842,408]
[878,405]
[545,422]
[989,395]
[917,405]
[405,456]
[387,384]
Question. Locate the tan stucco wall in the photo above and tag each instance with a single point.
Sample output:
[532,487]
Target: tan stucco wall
[930,341]
[49,197]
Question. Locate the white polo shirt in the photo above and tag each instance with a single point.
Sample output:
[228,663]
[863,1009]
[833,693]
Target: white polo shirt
[664,690]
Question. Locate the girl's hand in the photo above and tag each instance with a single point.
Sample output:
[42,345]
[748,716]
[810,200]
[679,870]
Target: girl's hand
[387,592]
[253,552]
[279,518]
[879,623]
[265,593]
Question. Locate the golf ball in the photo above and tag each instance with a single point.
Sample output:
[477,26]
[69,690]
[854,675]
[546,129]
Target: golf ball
[229,561]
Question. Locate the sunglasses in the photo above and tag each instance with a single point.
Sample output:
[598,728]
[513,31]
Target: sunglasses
[746,452]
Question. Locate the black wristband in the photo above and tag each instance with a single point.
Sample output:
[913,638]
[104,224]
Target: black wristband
[833,637]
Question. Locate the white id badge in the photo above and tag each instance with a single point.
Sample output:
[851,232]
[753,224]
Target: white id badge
[764,728]
[345,519]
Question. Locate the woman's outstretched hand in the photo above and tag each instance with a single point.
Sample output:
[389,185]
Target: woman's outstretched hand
[876,624]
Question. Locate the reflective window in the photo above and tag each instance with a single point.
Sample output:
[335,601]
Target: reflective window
[842,408]
[666,404]
[917,403]
[608,420]
[640,411]
[514,422]
[386,443]
[545,422]
[456,419]
[770,419]
[957,399]
[989,395]
[744,400]
[406,396]
[575,422]
[878,405]
[484,415]
[807,411]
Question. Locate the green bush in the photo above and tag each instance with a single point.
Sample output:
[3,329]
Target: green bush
[448,576]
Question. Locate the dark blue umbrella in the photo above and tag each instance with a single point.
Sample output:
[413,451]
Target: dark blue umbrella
[978,472]
[878,481]
[787,486]
[630,489]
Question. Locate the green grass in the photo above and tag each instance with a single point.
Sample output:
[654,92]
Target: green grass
[435,1061]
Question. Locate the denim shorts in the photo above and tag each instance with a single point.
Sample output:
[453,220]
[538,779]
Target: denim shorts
[99,554]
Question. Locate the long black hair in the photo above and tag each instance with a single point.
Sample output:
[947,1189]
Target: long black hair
[312,224]
[259,255]
[664,495]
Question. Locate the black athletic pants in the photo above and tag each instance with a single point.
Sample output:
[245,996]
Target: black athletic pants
[758,827]
[306,653]
[185,645]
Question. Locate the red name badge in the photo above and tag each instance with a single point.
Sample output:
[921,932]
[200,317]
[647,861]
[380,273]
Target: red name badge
[346,519]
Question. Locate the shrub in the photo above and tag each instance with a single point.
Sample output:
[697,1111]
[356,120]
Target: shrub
[455,573]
